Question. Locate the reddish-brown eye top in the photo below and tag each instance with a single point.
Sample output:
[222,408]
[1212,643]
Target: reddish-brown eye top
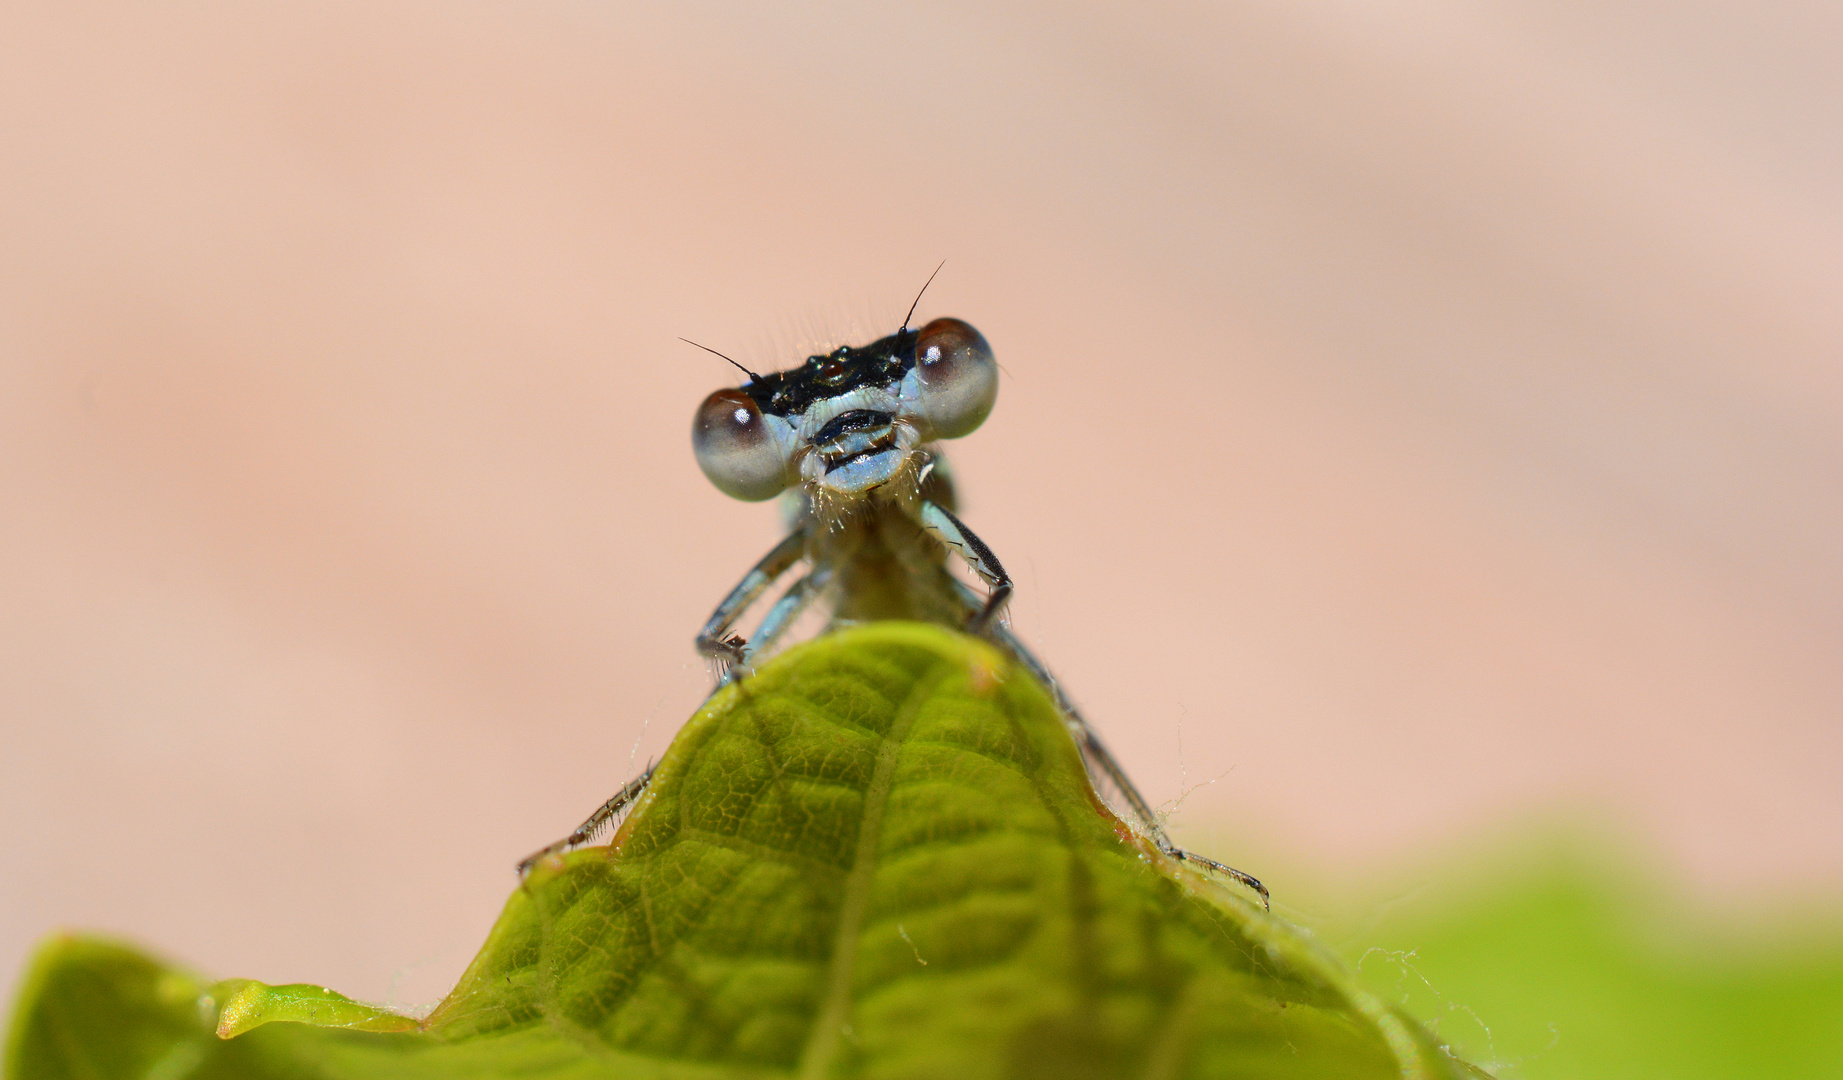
[728,417]
[736,449]
[943,346]
[958,376]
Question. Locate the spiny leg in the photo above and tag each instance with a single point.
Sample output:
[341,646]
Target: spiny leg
[1101,760]
[715,640]
[798,597]
[962,541]
[597,821]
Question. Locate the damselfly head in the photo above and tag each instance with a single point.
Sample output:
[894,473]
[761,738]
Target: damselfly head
[850,420]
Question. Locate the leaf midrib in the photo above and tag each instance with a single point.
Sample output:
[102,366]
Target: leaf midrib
[828,1026]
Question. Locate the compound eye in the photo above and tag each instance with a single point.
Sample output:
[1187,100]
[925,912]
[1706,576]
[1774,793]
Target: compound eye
[958,377]
[736,447]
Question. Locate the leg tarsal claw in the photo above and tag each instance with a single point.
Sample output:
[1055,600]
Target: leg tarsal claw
[730,648]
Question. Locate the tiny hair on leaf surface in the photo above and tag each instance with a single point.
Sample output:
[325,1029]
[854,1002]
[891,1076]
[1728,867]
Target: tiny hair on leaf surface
[880,856]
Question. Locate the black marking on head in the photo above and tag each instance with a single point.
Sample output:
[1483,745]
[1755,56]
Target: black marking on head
[855,420]
[828,375]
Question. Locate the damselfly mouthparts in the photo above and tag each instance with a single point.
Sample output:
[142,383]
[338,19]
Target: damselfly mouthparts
[849,436]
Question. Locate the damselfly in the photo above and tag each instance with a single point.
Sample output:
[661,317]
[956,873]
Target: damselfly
[849,435]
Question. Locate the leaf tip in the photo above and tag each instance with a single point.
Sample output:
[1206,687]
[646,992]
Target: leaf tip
[545,869]
[249,1004]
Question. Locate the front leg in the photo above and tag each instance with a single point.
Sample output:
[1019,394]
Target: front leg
[798,597]
[943,526]
[716,641]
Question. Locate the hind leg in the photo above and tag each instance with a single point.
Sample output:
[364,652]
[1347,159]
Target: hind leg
[1101,762]
[599,820]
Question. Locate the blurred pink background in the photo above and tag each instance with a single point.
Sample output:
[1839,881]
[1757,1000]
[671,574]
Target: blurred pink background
[1430,414]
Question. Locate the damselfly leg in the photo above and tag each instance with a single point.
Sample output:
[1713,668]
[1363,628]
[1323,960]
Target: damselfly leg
[591,828]
[716,641]
[786,610]
[1102,765]
[962,541]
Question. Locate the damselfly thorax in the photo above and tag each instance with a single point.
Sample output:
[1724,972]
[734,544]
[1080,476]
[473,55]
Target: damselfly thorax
[850,438]
[883,566]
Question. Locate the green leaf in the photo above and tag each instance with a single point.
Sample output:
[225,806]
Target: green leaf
[878,857]
[1549,954]
[249,1004]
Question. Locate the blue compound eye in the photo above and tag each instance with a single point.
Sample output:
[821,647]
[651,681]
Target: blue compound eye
[738,447]
[957,375]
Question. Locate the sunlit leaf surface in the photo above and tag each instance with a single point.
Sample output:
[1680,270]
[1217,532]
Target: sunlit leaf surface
[878,857]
